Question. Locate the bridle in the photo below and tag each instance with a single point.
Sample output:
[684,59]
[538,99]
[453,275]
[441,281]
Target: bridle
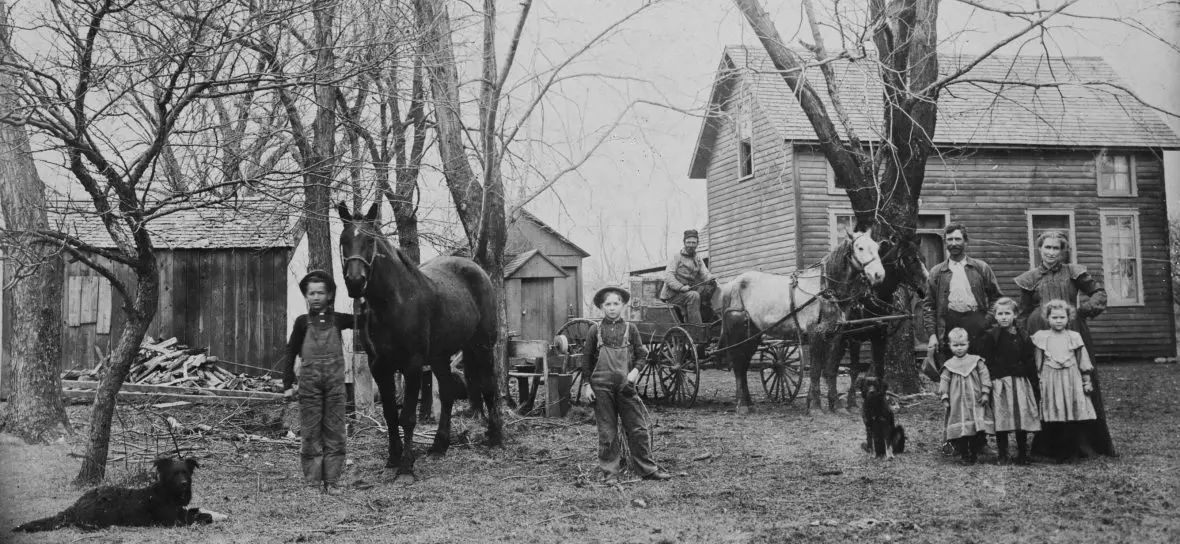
[368,263]
[859,266]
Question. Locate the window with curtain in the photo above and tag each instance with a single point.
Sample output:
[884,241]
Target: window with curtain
[1122,262]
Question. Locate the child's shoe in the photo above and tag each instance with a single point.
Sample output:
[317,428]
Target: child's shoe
[332,489]
[1003,459]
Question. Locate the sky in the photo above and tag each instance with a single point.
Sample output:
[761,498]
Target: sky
[628,203]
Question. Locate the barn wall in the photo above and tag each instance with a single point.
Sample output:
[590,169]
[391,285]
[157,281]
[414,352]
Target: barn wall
[231,301]
[752,220]
[990,192]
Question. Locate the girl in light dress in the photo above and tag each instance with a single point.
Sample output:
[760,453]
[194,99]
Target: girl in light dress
[1064,366]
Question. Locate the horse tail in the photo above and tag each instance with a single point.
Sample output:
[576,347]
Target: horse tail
[43,524]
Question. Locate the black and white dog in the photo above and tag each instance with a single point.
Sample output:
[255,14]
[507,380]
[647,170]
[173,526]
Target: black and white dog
[883,436]
[163,503]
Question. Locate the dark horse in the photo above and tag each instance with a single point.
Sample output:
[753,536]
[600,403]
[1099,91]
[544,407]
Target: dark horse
[903,266]
[806,303]
[420,316]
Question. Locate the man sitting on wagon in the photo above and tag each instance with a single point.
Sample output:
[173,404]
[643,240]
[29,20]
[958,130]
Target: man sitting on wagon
[687,281]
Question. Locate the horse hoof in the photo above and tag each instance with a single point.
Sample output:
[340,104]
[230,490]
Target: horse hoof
[405,477]
[436,452]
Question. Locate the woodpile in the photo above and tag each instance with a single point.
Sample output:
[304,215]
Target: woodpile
[168,363]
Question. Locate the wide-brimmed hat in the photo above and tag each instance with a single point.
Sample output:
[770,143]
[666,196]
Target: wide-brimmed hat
[317,276]
[600,296]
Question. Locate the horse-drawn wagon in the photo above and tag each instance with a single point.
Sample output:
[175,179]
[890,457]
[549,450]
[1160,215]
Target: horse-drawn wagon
[677,350]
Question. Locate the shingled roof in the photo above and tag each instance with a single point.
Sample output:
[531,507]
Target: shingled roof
[250,224]
[1090,110]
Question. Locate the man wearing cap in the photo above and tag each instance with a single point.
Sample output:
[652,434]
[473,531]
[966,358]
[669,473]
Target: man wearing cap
[316,340]
[687,281]
[613,352]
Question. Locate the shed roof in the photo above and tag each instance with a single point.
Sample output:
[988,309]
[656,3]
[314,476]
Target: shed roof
[524,214]
[1008,101]
[544,268]
[245,224]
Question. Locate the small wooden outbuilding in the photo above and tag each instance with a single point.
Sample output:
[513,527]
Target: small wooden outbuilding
[223,285]
[542,278]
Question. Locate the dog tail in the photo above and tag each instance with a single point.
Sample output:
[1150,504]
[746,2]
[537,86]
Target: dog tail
[898,439]
[43,524]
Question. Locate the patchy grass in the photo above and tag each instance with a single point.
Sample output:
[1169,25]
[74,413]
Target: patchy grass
[771,476]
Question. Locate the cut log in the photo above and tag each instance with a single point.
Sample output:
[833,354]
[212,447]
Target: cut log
[162,346]
[160,389]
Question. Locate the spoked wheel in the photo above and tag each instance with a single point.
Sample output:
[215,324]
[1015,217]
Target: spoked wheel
[672,375]
[573,336]
[782,376]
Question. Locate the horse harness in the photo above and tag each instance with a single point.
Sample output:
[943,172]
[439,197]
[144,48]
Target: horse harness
[368,263]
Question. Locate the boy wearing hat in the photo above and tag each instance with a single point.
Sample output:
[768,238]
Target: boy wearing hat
[316,340]
[687,280]
[613,352]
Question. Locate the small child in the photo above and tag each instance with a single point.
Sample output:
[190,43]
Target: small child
[1011,365]
[1065,368]
[965,389]
[613,351]
[316,340]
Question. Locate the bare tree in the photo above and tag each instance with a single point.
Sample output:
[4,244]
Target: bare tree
[84,97]
[35,411]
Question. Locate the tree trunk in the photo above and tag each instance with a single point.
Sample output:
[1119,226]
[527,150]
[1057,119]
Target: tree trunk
[901,368]
[139,316]
[35,410]
[318,180]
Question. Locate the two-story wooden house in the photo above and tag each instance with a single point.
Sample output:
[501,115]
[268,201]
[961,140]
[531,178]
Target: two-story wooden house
[1012,160]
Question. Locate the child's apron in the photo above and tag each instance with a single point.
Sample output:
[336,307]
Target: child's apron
[613,363]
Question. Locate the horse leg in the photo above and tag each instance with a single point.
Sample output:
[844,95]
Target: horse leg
[479,366]
[409,418]
[853,373]
[737,326]
[831,373]
[387,385]
[820,346]
[446,396]
[740,360]
[426,396]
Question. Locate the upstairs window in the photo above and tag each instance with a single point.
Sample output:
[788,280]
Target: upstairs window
[1116,174]
[743,119]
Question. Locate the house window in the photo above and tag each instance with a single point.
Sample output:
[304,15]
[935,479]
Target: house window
[1042,220]
[840,223]
[745,133]
[1116,174]
[1122,263]
[930,236]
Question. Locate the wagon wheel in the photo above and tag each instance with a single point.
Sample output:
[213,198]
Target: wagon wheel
[574,334]
[673,374]
[783,376]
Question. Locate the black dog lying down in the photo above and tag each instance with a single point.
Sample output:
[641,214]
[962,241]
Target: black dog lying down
[163,503]
[882,434]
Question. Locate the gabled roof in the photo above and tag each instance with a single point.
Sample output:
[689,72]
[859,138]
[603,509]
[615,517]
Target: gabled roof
[524,214]
[249,223]
[1089,110]
[543,267]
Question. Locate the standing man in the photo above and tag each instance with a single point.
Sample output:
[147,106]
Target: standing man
[687,281]
[960,293]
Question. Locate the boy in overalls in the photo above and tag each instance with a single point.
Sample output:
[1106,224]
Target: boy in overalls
[613,351]
[316,340]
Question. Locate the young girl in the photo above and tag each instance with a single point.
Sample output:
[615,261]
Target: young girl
[965,389]
[1064,366]
[1011,364]
[316,340]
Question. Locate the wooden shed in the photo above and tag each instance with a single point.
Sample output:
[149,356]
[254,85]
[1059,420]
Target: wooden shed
[223,285]
[542,278]
[1085,160]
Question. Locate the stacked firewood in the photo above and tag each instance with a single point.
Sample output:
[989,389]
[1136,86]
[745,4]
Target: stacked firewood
[168,363]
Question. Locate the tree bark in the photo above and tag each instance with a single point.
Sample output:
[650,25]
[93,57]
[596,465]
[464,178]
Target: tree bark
[35,410]
[139,315]
[321,162]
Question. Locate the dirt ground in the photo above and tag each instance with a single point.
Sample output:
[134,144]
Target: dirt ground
[775,475]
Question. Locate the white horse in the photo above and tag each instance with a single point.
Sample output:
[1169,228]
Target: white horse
[805,304]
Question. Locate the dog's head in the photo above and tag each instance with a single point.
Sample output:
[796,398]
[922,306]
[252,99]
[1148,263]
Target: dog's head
[176,477]
[871,387]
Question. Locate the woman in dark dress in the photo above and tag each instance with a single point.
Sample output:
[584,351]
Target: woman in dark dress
[1053,279]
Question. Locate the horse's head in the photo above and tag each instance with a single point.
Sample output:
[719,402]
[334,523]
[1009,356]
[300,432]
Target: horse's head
[866,255]
[903,263]
[358,248]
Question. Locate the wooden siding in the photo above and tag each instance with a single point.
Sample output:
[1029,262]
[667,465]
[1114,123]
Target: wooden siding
[751,221]
[231,301]
[991,191]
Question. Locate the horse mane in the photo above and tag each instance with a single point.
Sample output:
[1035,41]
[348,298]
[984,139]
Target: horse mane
[840,278]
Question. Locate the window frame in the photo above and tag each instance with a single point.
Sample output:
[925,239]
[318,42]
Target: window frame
[1032,240]
[1111,298]
[833,233]
[743,130]
[1132,178]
